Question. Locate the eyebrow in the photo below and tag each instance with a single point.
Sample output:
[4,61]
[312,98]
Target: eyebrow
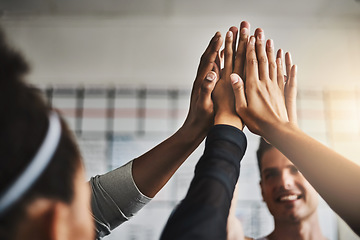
[271,169]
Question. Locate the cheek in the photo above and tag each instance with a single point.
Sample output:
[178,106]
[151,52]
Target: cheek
[312,195]
[266,192]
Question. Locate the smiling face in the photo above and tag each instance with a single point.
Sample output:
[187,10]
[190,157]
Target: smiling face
[288,195]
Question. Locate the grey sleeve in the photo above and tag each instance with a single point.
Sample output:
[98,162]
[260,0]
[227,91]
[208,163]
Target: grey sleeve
[115,199]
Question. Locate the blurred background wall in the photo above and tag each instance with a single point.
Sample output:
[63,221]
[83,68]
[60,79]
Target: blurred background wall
[128,54]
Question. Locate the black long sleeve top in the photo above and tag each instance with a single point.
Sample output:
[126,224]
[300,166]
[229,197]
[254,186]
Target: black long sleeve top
[204,211]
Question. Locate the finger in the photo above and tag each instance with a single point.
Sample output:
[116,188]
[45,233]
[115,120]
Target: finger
[221,56]
[217,66]
[261,55]
[207,86]
[288,64]
[290,95]
[240,56]
[280,73]
[239,93]
[280,69]
[251,63]
[234,30]
[257,32]
[228,54]
[280,54]
[271,58]
[208,59]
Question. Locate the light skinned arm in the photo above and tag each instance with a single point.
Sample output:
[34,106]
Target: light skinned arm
[234,226]
[265,111]
[153,169]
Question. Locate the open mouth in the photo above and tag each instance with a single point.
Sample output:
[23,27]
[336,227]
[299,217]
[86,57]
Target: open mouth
[289,198]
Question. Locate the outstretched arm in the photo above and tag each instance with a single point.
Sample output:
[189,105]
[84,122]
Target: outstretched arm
[153,169]
[119,194]
[234,227]
[266,112]
[204,211]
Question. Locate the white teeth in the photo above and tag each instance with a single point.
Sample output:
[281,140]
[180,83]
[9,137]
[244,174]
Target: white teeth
[289,198]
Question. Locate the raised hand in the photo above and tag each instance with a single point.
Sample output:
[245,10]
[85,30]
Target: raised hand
[153,169]
[223,96]
[233,58]
[291,89]
[266,98]
[201,113]
[240,54]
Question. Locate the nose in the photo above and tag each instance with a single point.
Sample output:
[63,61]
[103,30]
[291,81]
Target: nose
[287,180]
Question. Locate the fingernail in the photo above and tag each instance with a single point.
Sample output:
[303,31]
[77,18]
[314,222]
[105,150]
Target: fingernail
[244,31]
[271,43]
[234,78]
[261,36]
[289,55]
[229,34]
[252,40]
[211,76]
[217,36]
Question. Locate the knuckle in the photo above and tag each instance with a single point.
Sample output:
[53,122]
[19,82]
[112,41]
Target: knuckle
[244,37]
[204,57]
[259,43]
[252,62]
[262,59]
[250,52]
[251,85]
[270,50]
[240,53]
[238,88]
[272,65]
[206,88]
[228,51]
[213,47]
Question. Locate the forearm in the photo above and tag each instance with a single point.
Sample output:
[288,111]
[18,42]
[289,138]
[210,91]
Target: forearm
[152,170]
[204,211]
[331,174]
[234,227]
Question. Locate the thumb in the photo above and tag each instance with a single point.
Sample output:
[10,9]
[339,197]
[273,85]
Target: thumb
[207,87]
[290,95]
[239,92]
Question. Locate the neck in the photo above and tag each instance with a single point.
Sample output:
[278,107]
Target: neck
[305,229]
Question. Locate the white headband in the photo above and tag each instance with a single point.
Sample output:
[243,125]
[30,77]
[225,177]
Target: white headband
[36,166]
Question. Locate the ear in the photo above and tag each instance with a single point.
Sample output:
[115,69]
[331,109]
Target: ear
[37,223]
[60,221]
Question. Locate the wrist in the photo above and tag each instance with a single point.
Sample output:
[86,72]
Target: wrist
[228,118]
[194,131]
[275,132]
